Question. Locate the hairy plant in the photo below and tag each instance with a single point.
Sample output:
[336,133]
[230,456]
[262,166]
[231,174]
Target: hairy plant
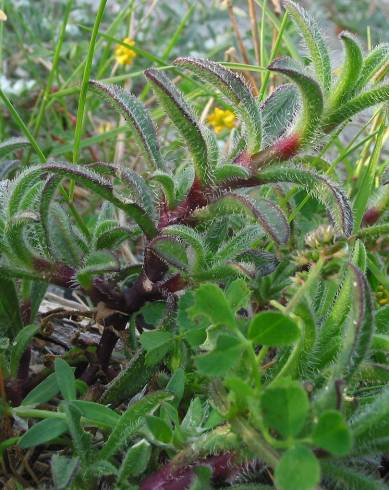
[200,233]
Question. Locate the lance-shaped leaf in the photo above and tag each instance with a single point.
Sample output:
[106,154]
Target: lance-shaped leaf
[7,167]
[11,145]
[171,250]
[168,187]
[19,187]
[350,72]
[314,41]
[279,112]
[60,237]
[112,237]
[48,193]
[351,476]
[9,303]
[138,118]
[372,64]
[103,187]
[195,135]
[264,262]
[359,332]
[321,188]
[193,239]
[130,421]
[97,262]
[237,93]
[311,95]
[14,233]
[355,105]
[141,192]
[267,213]
[230,171]
[242,240]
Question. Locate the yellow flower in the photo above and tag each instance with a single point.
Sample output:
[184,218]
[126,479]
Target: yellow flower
[124,55]
[382,295]
[221,119]
[3,17]
[104,127]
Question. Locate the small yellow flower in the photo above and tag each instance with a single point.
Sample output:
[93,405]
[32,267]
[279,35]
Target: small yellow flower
[3,17]
[382,295]
[123,54]
[221,119]
[104,127]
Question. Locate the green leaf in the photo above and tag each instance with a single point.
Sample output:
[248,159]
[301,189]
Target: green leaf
[159,429]
[321,188]
[176,385]
[11,145]
[382,320]
[130,421]
[190,236]
[359,332]
[224,357]
[240,242]
[44,392]
[194,416]
[63,470]
[270,216]
[96,413]
[194,134]
[157,343]
[65,379]
[82,441]
[298,468]
[135,461]
[279,111]
[237,93]
[350,72]
[9,304]
[168,186]
[129,381]
[42,432]
[273,328]
[137,117]
[332,433]
[351,477]
[210,301]
[193,330]
[103,187]
[314,41]
[19,345]
[230,171]
[309,118]
[238,294]
[285,407]
[355,105]
[372,64]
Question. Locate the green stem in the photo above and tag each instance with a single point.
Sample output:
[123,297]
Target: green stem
[273,53]
[254,441]
[19,121]
[84,83]
[47,91]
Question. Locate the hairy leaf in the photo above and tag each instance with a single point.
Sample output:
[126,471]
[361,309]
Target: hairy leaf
[136,115]
[350,72]
[11,145]
[315,43]
[195,135]
[355,105]
[234,89]
[321,188]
